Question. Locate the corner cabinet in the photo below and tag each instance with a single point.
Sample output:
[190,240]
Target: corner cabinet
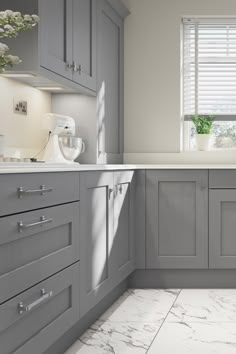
[177,219]
[106,235]
[110,83]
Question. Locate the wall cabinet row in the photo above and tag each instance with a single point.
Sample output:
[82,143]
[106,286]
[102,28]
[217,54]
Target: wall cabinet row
[106,234]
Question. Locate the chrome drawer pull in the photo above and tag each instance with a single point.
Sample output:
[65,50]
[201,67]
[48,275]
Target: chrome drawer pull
[40,191]
[26,308]
[43,221]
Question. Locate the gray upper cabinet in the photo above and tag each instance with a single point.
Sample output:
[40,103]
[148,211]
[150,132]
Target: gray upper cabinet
[110,89]
[123,245]
[222,226]
[56,36]
[96,237]
[61,50]
[177,219]
[84,43]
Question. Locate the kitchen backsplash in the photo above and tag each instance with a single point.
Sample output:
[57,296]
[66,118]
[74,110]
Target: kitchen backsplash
[22,132]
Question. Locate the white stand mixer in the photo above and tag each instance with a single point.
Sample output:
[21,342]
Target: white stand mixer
[62,146]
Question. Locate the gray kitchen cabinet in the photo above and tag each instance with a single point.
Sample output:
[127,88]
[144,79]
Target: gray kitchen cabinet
[222,226]
[96,237]
[61,50]
[33,320]
[110,82]
[106,233]
[177,219]
[123,244]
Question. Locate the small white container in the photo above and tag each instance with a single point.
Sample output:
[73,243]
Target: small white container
[203,141]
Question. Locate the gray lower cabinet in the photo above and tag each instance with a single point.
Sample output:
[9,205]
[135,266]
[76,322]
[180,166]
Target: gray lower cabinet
[35,319]
[106,233]
[96,237]
[123,244]
[35,245]
[177,219]
[222,226]
[110,89]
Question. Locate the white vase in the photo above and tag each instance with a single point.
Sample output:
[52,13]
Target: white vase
[203,141]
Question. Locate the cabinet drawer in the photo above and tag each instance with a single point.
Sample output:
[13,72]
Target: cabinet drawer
[21,192]
[32,249]
[35,319]
[222,179]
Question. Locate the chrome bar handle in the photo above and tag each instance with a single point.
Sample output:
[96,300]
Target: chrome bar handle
[42,190]
[43,221]
[26,308]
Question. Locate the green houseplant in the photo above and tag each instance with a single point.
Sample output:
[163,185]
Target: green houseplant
[203,125]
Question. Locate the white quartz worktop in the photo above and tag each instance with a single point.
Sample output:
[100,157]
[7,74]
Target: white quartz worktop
[44,167]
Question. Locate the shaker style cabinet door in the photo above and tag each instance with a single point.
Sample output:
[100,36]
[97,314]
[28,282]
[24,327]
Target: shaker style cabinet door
[56,36]
[177,219]
[109,84]
[96,237]
[123,245]
[222,226]
[84,43]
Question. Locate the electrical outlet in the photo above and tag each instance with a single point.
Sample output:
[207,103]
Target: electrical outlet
[20,107]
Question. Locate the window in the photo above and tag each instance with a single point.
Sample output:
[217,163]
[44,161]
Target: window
[209,77]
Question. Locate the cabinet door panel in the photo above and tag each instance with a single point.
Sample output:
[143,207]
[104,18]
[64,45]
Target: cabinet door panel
[96,237]
[56,36]
[110,84]
[123,248]
[222,226]
[177,219]
[84,42]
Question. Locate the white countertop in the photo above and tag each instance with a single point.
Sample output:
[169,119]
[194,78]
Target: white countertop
[45,167]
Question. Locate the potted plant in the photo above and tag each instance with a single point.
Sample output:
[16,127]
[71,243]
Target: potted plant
[203,125]
[12,23]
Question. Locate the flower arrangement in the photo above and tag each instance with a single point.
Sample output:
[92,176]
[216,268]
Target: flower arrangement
[11,24]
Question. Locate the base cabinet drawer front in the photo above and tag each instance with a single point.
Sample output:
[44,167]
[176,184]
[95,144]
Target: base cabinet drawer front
[35,245]
[123,238]
[222,226]
[177,219]
[22,192]
[35,319]
[222,179]
[96,237]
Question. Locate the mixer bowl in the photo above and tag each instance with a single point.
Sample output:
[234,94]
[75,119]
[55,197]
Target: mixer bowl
[71,147]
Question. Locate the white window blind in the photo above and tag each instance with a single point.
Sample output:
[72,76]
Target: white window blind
[209,68]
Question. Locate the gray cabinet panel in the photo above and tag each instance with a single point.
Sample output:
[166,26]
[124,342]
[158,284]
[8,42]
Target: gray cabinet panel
[109,84]
[222,179]
[96,237]
[177,219]
[28,256]
[123,245]
[45,319]
[84,42]
[222,225]
[56,36]
[60,188]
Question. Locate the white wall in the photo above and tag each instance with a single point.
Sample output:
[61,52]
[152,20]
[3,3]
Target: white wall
[22,131]
[152,70]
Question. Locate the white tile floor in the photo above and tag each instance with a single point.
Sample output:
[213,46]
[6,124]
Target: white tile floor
[164,322]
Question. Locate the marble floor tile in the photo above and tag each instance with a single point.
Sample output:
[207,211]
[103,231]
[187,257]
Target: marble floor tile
[116,338]
[141,305]
[195,338]
[201,305]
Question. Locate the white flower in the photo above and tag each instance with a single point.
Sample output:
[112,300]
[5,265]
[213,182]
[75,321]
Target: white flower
[13,59]
[35,18]
[9,13]
[27,18]
[3,15]
[1,30]
[17,14]
[8,28]
[3,48]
